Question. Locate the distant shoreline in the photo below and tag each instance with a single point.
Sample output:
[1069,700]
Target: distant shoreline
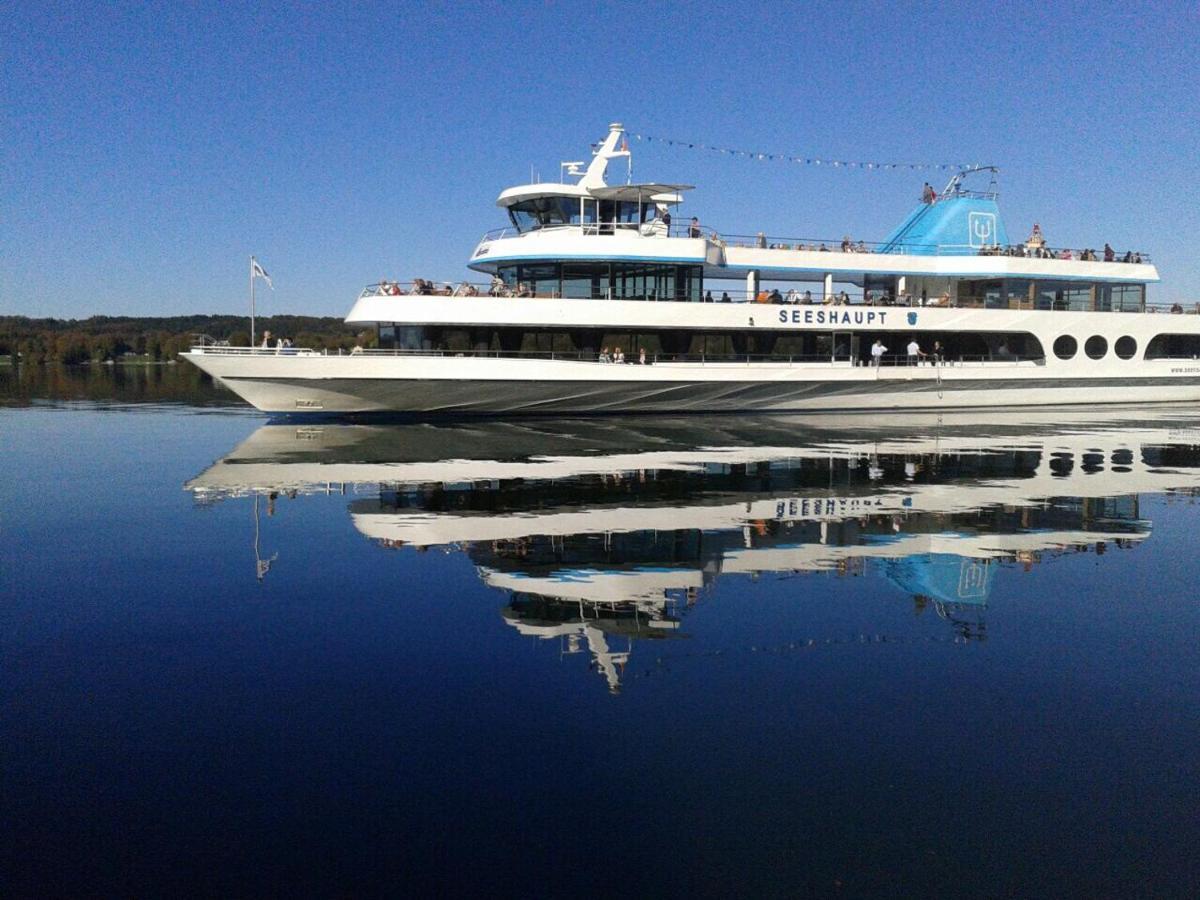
[155,340]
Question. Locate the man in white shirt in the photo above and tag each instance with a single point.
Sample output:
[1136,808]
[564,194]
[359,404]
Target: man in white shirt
[877,351]
[915,353]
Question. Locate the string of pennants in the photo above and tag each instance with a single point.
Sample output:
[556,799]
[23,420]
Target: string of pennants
[803,160]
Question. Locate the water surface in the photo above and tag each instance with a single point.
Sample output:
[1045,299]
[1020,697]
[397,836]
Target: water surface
[741,655]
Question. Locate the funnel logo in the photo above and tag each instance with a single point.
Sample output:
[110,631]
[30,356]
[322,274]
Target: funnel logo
[912,318]
[972,579]
[982,228]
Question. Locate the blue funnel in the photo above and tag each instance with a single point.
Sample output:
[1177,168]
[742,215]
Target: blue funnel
[959,225]
[943,577]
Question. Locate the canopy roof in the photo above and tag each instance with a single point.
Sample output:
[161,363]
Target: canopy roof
[543,189]
[653,191]
[642,192]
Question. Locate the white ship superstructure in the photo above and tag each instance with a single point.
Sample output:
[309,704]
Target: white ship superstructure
[586,267]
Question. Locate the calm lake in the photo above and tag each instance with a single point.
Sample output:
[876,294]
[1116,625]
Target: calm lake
[736,655]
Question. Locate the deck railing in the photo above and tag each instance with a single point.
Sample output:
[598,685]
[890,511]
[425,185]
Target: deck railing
[775,297]
[721,359]
[764,241]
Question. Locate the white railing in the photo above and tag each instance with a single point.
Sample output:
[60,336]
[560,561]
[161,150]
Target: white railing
[889,362]
[763,241]
[776,297]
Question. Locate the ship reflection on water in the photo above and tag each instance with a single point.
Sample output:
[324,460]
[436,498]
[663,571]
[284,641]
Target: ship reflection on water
[605,535]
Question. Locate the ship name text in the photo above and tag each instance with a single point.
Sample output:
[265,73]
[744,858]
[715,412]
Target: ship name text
[833,317]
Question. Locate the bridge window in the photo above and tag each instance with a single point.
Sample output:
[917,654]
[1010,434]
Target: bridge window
[540,212]
[1065,347]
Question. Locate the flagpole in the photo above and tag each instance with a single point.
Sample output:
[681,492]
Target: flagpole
[252,303]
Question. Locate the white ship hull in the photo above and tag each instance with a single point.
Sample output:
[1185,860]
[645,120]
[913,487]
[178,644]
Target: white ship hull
[412,383]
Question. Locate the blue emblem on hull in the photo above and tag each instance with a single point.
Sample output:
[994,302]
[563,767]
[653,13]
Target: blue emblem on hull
[912,318]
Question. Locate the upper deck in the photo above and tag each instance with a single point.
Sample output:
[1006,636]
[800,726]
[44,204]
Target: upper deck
[958,235]
[797,259]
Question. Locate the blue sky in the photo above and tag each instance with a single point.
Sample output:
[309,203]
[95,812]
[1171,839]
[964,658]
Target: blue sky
[149,149]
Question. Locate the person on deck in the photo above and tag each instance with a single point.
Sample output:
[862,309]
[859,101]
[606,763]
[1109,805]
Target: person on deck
[266,344]
[915,353]
[877,351]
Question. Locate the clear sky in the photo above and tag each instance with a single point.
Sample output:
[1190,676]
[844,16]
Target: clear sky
[148,149]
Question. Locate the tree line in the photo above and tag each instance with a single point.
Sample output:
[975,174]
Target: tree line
[160,339]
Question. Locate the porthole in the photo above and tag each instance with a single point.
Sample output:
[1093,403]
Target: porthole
[1065,347]
[1125,347]
[1096,347]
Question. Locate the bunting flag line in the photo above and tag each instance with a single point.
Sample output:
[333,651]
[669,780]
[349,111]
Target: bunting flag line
[805,160]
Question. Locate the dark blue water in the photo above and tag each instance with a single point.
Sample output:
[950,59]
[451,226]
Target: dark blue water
[733,656]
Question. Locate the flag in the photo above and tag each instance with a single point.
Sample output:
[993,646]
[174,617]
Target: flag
[257,271]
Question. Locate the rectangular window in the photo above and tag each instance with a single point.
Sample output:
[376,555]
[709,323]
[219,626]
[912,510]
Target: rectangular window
[1019,293]
[541,281]
[989,294]
[587,282]
[1078,297]
[1128,297]
[412,337]
[1050,294]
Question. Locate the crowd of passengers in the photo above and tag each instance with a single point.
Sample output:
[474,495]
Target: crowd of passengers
[1040,252]
[424,287]
[848,245]
[795,297]
[618,356]
[427,288]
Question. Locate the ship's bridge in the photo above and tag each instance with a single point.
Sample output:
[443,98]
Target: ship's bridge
[600,210]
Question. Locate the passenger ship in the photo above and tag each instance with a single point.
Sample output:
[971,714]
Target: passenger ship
[585,267]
